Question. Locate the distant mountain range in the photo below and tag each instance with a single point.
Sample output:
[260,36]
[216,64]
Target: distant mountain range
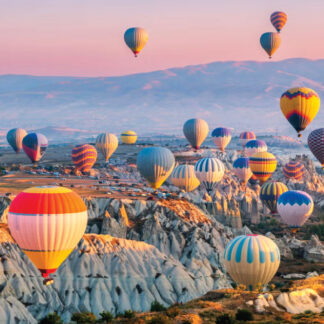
[242,95]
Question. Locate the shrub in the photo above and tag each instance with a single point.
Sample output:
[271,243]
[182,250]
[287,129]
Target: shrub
[83,318]
[173,311]
[244,315]
[106,316]
[157,307]
[224,319]
[129,314]
[159,319]
[51,318]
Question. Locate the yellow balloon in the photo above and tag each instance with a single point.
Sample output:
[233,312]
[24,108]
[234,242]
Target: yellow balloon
[128,137]
[262,165]
[184,177]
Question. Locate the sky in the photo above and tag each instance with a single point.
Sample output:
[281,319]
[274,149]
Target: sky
[85,37]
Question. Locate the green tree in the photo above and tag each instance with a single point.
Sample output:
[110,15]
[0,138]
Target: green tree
[84,318]
[51,318]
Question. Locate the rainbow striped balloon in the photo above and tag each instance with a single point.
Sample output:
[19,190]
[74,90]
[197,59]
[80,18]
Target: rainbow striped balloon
[294,170]
[47,223]
[269,194]
[246,137]
[300,106]
[262,165]
[84,157]
[278,20]
[252,260]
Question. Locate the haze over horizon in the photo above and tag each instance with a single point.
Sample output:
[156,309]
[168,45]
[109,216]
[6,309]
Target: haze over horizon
[86,39]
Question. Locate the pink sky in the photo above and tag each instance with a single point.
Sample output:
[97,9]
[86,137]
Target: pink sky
[85,37]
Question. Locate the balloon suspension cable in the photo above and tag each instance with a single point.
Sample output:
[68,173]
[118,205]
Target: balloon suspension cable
[270,57]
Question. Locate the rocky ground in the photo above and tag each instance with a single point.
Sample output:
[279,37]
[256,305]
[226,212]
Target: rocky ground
[137,251]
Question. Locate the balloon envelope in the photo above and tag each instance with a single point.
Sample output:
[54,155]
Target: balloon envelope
[300,106]
[136,38]
[316,144]
[242,169]
[128,137]
[221,137]
[184,177]
[246,137]
[278,20]
[262,165]
[294,170]
[295,207]
[255,146]
[107,144]
[252,260]
[155,164]
[209,172]
[196,131]
[270,192]
[47,223]
[35,145]
[15,137]
[270,42]
[84,157]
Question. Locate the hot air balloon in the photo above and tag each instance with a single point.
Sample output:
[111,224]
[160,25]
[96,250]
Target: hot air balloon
[300,106]
[242,169]
[209,171]
[316,144]
[262,165]
[294,170]
[252,260]
[246,137]
[35,145]
[184,177]
[47,223]
[155,164]
[84,157]
[195,130]
[295,207]
[221,137]
[15,137]
[278,20]
[107,144]
[255,146]
[270,42]
[128,137]
[136,38]
[269,194]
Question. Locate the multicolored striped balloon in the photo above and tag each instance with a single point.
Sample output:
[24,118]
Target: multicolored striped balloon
[316,144]
[221,137]
[246,137]
[47,223]
[209,172]
[35,145]
[84,157]
[270,42]
[295,207]
[136,38]
[294,170]
[262,165]
[269,194]
[184,177]
[252,260]
[255,146]
[242,169]
[278,20]
[128,137]
[155,164]
[196,131]
[15,137]
[300,106]
[107,144]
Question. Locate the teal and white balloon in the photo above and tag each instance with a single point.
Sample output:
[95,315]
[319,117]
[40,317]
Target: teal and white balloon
[252,260]
[209,172]
[184,177]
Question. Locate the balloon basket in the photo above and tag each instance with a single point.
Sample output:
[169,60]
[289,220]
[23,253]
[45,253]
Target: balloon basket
[48,281]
